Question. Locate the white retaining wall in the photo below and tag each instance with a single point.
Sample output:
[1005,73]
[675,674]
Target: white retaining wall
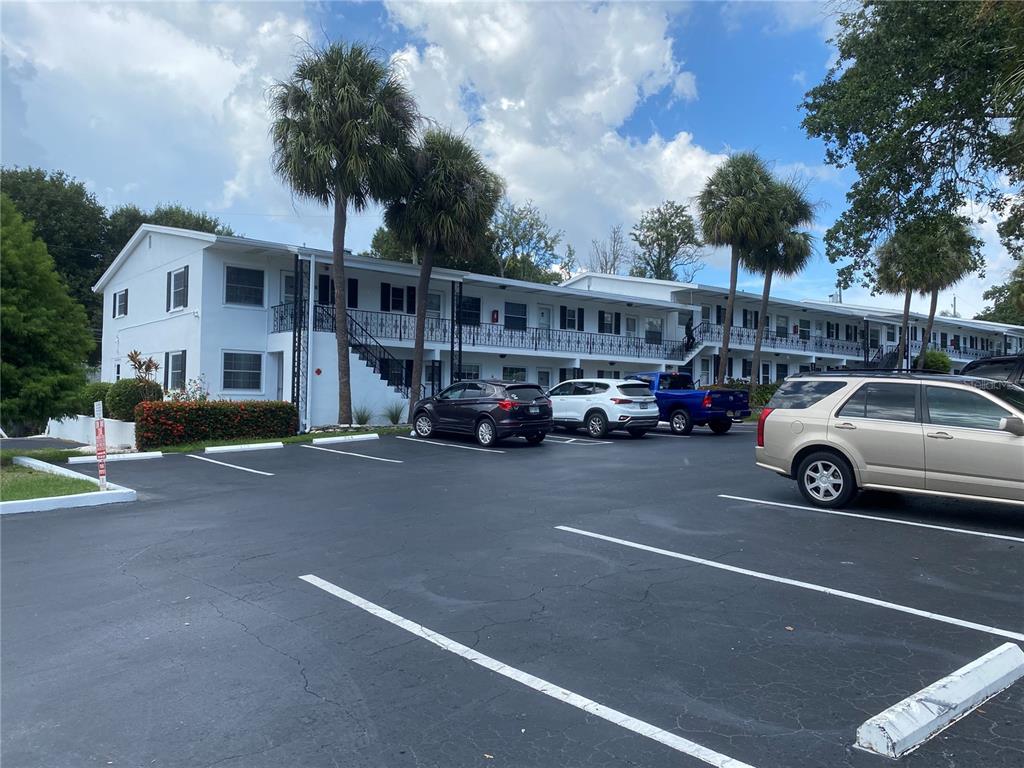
[82,429]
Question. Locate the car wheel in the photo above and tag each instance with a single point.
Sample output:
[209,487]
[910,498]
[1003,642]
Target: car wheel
[423,425]
[720,427]
[597,424]
[536,439]
[680,422]
[637,433]
[486,434]
[826,479]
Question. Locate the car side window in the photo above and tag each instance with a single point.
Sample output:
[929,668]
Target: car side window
[950,407]
[452,393]
[561,390]
[582,388]
[473,391]
[889,402]
[599,388]
[1002,370]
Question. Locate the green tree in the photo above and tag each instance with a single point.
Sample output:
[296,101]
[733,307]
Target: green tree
[44,336]
[608,256]
[737,209]
[787,254]
[342,127]
[1007,300]
[523,244]
[72,224]
[386,245]
[125,221]
[902,267]
[668,247]
[922,102]
[447,207]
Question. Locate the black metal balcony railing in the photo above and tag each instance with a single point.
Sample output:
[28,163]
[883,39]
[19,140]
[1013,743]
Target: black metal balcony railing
[798,343]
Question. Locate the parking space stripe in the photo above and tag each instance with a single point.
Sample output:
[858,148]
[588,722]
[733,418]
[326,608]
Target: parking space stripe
[948,529]
[556,692]
[577,441]
[349,453]
[802,584]
[447,445]
[233,466]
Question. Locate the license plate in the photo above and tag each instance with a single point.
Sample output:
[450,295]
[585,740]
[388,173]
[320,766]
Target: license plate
[643,405]
[534,409]
[730,413]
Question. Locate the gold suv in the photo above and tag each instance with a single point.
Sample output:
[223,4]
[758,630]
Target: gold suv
[841,431]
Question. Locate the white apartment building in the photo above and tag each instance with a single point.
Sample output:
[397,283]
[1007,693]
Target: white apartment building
[236,312]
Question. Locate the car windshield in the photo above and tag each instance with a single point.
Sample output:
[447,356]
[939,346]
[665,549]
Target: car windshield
[635,390]
[1008,393]
[524,394]
[675,381]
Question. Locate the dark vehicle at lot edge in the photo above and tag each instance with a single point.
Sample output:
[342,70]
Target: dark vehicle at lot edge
[684,407]
[488,410]
[1001,368]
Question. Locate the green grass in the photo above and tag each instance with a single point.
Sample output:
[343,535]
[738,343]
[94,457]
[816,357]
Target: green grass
[50,455]
[17,483]
[306,438]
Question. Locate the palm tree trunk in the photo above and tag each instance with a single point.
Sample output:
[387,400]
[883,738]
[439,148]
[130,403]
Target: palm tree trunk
[926,340]
[904,331]
[723,355]
[426,266]
[341,309]
[762,324]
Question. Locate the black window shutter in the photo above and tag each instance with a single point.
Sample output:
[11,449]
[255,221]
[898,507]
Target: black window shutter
[408,373]
[114,313]
[126,301]
[385,297]
[410,300]
[561,319]
[167,368]
[618,323]
[185,303]
[562,372]
[323,289]
[168,291]
[352,298]
[600,321]
[184,370]
[579,319]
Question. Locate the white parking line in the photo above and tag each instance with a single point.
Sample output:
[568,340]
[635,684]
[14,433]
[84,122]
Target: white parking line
[233,466]
[447,445]
[964,531]
[802,584]
[349,453]
[556,692]
[577,441]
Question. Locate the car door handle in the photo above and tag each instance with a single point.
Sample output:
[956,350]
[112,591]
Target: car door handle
[845,425]
[940,435]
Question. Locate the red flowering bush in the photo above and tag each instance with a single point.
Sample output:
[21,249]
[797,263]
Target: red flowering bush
[169,423]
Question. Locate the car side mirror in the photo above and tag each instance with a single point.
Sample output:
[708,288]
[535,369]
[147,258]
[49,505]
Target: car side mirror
[1012,424]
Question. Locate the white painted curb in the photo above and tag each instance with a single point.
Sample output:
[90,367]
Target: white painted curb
[113,495]
[905,726]
[344,439]
[116,457]
[245,447]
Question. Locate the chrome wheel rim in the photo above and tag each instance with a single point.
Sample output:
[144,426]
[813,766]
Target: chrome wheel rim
[423,426]
[679,422]
[823,481]
[485,433]
[594,426]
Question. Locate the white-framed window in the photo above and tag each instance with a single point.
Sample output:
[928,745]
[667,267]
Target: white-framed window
[177,289]
[470,371]
[243,286]
[544,378]
[630,326]
[287,286]
[242,371]
[174,369]
[705,313]
[397,299]
[515,316]
[513,373]
[890,333]
[705,370]
[434,304]
[654,330]
[121,303]
[570,318]
[606,322]
[782,325]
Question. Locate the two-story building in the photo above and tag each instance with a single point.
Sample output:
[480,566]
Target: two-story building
[237,311]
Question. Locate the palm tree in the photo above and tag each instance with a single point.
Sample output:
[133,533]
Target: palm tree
[445,210]
[737,209]
[786,255]
[903,264]
[342,124]
[955,254]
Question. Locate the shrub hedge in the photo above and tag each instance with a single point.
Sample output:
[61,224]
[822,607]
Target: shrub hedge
[169,423]
[91,392]
[124,395]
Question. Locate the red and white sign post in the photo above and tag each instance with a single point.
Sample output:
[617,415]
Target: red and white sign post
[101,444]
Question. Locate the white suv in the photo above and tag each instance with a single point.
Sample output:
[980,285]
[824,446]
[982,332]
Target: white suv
[600,405]
[934,434]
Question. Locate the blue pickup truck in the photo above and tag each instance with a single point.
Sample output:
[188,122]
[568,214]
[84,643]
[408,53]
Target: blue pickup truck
[684,407]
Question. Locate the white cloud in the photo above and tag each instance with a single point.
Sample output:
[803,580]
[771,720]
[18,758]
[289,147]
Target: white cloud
[800,78]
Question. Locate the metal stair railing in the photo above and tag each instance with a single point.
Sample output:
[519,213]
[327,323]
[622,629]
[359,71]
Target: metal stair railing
[384,364]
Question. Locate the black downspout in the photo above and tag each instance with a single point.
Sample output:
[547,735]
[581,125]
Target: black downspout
[867,350]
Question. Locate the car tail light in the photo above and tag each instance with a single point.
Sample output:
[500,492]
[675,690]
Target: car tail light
[707,401]
[621,400]
[506,404]
[760,426]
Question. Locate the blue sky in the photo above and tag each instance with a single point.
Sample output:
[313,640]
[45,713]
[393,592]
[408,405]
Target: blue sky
[595,112]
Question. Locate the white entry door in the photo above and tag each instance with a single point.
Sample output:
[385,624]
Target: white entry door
[543,316]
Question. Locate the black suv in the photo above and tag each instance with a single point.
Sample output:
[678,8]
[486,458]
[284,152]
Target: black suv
[1002,368]
[489,410]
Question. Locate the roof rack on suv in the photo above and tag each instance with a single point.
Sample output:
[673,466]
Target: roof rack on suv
[875,372]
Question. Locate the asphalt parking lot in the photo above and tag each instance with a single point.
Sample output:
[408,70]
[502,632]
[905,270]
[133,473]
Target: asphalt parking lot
[569,584]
